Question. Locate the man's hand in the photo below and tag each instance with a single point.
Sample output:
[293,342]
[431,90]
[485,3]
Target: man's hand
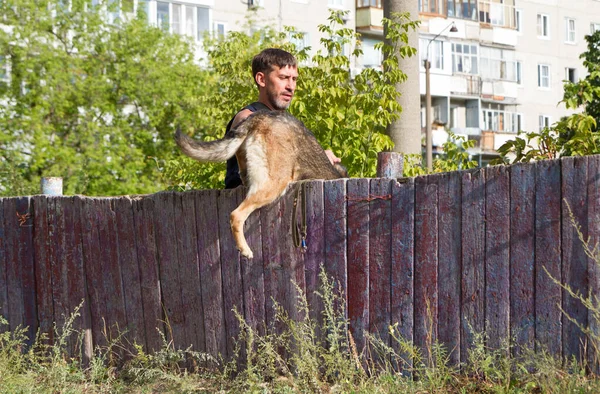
[332,158]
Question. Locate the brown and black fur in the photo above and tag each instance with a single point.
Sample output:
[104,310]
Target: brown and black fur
[272,148]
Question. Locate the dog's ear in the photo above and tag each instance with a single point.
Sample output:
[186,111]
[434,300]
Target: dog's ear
[341,170]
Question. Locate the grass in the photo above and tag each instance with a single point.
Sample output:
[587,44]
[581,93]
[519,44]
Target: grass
[329,365]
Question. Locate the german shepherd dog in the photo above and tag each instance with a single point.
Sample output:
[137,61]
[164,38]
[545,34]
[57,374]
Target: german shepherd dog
[272,148]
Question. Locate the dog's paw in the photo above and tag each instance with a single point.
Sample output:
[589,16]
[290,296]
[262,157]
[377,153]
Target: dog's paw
[247,253]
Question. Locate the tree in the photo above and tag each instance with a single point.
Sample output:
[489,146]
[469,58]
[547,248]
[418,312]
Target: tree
[406,130]
[88,100]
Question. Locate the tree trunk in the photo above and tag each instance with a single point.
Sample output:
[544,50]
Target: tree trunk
[406,131]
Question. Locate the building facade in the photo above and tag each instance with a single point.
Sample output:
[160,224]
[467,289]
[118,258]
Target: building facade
[501,71]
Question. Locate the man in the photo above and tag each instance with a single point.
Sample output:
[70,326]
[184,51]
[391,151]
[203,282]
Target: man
[275,73]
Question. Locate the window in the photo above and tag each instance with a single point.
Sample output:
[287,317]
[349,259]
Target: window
[570,30]
[594,27]
[498,64]
[501,121]
[368,3]
[220,29]
[335,3]
[436,53]
[543,27]
[431,6]
[162,15]
[464,58]
[371,56]
[176,24]
[190,28]
[571,74]
[518,24]
[203,22]
[300,39]
[543,76]
[519,72]
[544,122]
[464,9]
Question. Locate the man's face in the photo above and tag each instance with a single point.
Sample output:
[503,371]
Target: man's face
[280,85]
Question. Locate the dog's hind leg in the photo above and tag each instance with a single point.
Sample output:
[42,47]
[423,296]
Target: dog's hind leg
[253,201]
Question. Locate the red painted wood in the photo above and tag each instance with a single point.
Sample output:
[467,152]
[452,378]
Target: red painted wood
[497,255]
[574,260]
[358,259]
[426,262]
[314,257]
[43,271]
[143,215]
[548,324]
[402,260]
[593,189]
[473,260]
[169,268]
[390,164]
[334,222]
[252,275]
[91,216]
[210,271]
[449,255]
[189,274]
[230,266]
[522,256]
[130,271]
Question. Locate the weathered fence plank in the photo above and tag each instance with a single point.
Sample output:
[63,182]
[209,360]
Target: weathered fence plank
[168,263]
[449,262]
[90,218]
[128,261]
[56,232]
[380,267]
[143,215]
[334,202]
[115,319]
[593,190]
[358,259]
[189,274]
[252,275]
[402,261]
[522,256]
[497,255]
[231,273]
[314,257]
[574,260]
[426,262]
[3,264]
[43,269]
[473,260]
[271,224]
[18,219]
[210,271]
[76,285]
[548,325]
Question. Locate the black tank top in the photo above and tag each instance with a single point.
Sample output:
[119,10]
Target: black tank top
[232,176]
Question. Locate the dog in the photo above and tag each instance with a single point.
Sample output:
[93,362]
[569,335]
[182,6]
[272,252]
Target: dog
[272,148]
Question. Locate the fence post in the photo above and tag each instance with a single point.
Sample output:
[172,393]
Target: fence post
[390,165]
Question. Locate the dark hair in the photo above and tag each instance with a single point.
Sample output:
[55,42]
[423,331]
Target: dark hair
[264,61]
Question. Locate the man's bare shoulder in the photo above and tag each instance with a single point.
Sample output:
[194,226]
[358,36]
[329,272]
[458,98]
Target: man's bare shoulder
[241,116]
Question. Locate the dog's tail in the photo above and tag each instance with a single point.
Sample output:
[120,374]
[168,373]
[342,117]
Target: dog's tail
[213,151]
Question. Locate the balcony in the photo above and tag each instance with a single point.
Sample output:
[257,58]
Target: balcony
[369,15]
[497,14]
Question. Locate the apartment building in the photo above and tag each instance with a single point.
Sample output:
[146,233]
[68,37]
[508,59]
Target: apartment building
[501,71]
[196,17]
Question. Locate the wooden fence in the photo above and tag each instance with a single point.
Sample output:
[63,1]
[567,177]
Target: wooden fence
[469,249]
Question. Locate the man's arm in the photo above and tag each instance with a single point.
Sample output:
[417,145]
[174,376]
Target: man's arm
[332,158]
[240,117]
